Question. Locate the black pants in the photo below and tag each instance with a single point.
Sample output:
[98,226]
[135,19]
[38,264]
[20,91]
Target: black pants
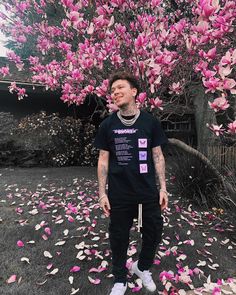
[121,220]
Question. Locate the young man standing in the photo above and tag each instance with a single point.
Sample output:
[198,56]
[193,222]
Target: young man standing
[131,159]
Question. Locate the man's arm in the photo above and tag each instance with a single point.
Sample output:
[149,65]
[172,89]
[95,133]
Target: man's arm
[159,163]
[102,171]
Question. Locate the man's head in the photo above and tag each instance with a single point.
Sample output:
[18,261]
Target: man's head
[124,88]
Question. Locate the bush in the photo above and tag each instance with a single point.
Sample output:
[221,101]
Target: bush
[60,141]
[194,182]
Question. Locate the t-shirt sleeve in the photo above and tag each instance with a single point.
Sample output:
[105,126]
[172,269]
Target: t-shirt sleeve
[101,140]
[158,134]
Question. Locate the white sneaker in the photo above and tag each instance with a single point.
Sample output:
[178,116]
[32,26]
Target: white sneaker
[145,276]
[119,289]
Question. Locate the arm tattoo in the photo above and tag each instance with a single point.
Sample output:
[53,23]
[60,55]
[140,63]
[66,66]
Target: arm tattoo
[159,163]
[102,172]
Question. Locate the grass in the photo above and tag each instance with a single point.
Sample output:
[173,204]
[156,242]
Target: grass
[29,189]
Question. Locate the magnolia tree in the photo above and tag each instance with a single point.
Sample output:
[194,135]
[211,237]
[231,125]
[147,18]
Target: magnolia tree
[168,45]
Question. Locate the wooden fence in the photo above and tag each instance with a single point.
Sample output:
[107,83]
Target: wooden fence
[222,156]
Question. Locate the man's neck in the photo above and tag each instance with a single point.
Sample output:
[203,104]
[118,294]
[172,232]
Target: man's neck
[129,110]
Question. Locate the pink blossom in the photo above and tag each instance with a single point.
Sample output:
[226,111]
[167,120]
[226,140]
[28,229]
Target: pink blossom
[219,104]
[229,84]
[156,103]
[4,71]
[218,130]
[211,84]
[175,88]
[232,127]
[141,99]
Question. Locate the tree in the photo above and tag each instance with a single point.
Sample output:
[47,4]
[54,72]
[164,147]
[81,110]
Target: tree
[169,45]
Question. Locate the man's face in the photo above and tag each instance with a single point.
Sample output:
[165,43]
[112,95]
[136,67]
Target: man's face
[122,93]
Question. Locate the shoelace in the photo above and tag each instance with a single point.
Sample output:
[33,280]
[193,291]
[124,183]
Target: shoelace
[147,276]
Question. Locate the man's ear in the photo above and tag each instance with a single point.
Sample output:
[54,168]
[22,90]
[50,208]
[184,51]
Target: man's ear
[135,91]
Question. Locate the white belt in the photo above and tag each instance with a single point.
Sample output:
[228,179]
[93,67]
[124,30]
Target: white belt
[140,217]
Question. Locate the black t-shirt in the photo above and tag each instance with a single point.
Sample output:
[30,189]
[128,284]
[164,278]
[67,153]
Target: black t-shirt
[131,174]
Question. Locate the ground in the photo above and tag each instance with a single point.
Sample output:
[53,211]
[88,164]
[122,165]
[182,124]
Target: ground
[54,239]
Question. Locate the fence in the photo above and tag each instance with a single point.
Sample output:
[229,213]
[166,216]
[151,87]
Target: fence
[222,155]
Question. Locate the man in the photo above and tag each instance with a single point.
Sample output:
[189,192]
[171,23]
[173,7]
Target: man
[131,157]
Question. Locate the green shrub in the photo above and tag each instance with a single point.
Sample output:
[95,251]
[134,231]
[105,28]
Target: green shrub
[61,141]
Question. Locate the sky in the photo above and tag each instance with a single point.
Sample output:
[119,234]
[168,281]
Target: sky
[2,48]
[2,37]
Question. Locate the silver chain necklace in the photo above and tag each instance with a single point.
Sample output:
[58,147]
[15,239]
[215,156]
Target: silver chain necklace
[128,122]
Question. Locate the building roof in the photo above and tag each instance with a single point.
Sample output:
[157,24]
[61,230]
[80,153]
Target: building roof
[20,77]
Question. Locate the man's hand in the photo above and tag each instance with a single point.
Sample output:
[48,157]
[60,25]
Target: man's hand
[105,205]
[163,199]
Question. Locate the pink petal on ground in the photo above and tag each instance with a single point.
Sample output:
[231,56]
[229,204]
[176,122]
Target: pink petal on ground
[94,281]
[71,219]
[20,244]
[136,289]
[45,237]
[99,269]
[75,269]
[49,266]
[157,262]
[12,279]
[47,231]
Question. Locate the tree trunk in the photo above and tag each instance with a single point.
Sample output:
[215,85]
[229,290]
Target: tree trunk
[203,115]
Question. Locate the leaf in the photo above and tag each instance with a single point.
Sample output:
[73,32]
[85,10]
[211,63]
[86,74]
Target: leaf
[47,254]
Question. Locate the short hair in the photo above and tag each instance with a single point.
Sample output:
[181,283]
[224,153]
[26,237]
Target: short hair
[125,75]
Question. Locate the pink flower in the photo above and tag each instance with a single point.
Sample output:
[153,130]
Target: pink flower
[229,84]
[218,130]
[20,244]
[74,16]
[141,99]
[212,84]
[4,71]
[219,104]
[156,103]
[232,127]
[175,88]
